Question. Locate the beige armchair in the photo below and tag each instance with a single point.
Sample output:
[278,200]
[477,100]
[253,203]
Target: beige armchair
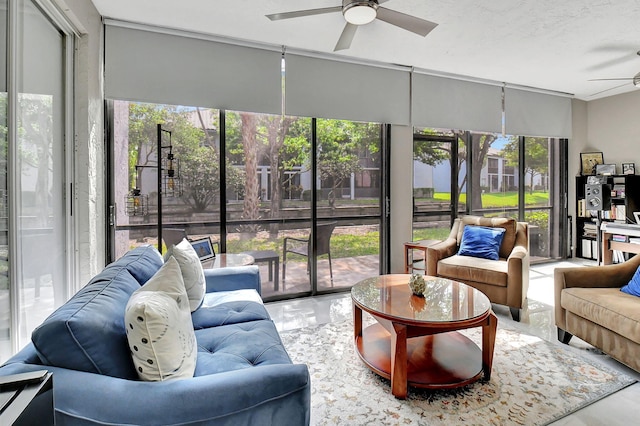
[504,281]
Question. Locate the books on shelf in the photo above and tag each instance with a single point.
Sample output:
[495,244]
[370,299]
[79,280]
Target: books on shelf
[582,209]
[618,213]
[618,237]
[589,249]
[618,257]
[618,190]
[590,230]
[586,248]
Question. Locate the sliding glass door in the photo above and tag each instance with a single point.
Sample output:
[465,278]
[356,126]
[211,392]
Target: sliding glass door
[301,196]
[519,177]
[348,201]
[439,182]
[494,175]
[268,197]
[35,231]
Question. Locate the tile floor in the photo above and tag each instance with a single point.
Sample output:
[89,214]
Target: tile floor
[620,408]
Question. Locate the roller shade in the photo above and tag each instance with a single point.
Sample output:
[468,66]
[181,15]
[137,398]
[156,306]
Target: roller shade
[448,103]
[537,114]
[318,87]
[148,66]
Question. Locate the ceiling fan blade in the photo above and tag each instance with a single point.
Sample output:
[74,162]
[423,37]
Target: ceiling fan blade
[606,90]
[301,13]
[344,42]
[610,79]
[410,23]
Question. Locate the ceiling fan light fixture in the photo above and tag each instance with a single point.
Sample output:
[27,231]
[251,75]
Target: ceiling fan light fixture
[359,12]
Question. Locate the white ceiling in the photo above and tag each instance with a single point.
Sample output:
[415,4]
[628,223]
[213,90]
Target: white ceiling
[554,45]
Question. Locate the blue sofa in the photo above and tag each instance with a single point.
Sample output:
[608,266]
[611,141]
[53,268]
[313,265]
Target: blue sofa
[243,374]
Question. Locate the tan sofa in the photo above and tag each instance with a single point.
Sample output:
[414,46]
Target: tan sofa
[590,305]
[504,281]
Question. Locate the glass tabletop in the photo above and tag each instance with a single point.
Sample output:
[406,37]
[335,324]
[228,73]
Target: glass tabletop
[444,300]
[224,260]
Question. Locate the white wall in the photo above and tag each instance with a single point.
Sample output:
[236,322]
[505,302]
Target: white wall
[89,210]
[613,127]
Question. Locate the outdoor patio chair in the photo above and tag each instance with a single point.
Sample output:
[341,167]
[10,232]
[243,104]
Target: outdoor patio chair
[323,246]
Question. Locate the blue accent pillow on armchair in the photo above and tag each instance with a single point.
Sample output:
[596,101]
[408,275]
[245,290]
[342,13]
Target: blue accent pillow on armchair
[633,287]
[481,241]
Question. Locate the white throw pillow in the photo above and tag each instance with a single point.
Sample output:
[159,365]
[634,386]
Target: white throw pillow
[192,272]
[159,327]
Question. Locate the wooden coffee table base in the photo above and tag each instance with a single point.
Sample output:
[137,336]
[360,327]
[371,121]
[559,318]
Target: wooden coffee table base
[416,340]
[434,361]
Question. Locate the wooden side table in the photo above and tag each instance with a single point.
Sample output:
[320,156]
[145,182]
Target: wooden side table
[409,256]
[27,399]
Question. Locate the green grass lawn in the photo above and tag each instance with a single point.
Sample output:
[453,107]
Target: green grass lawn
[342,245]
[430,234]
[499,199]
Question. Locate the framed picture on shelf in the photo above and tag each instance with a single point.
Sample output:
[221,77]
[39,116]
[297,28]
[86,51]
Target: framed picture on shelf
[589,161]
[203,248]
[628,168]
[605,169]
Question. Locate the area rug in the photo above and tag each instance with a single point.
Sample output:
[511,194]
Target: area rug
[533,382]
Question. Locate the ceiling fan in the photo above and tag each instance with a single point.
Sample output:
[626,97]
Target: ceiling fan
[361,12]
[635,80]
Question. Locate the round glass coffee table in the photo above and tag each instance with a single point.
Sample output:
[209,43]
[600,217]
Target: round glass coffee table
[416,340]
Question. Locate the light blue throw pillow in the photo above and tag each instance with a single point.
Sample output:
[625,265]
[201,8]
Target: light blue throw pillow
[481,241]
[633,287]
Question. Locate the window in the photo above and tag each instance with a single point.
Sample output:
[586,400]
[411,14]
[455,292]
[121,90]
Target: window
[247,182]
[436,158]
[192,201]
[36,270]
[499,183]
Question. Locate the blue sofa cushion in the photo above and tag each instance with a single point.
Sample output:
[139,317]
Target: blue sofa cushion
[142,262]
[87,333]
[228,313]
[239,346]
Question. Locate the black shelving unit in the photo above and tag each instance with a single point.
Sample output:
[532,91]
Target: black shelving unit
[586,223]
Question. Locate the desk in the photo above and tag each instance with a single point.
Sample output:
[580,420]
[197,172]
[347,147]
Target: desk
[619,229]
[224,260]
[409,258]
[608,246]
